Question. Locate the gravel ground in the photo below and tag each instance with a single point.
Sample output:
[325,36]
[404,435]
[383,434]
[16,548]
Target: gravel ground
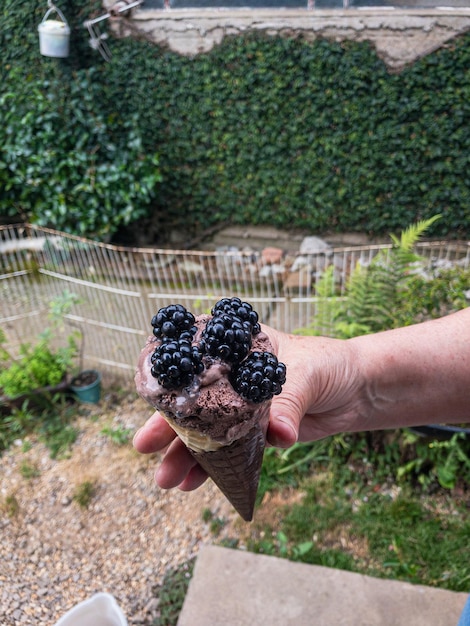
[54,553]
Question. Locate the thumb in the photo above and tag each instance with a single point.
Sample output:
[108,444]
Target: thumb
[286,414]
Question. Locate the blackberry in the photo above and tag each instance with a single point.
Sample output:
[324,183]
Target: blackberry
[176,363]
[242,310]
[227,337]
[173,322]
[259,377]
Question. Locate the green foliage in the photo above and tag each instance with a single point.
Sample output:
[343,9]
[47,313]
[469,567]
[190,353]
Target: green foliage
[10,506]
[19,20]
[55,430]
[259,130]
[84,493]
[40,365]
[288,467]
[29,470]
[118,434]
[447,462]
[67,163]
[280,546]
[171,593]
[310,135]
[395,289]
[352,519]
[374,293]
[48,417]
[403,457]
[434,294]
[405,540]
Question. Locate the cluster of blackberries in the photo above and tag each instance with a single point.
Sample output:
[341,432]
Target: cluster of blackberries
[242,310]
[259,377]
[175,363]
[228,335]
[173,322]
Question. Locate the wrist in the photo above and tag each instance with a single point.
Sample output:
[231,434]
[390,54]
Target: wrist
[416,375]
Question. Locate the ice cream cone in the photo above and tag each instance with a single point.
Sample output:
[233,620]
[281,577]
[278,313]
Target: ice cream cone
[219,412]
[235,467]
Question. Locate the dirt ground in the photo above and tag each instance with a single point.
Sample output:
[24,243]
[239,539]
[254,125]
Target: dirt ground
[55,553]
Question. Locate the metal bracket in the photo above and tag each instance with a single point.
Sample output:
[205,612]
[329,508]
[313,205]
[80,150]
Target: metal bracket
[97,38]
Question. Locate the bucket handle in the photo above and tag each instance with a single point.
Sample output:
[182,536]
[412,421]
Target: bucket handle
[57,10]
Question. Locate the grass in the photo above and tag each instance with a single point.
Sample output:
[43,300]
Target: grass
[119,435]
[84,493]
[359,512]
[388,505]
[51,421]
[29,470]
[171,593]
[398,537]
[10,505]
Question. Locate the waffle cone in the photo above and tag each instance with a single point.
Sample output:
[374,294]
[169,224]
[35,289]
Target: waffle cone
[235,465]
[236,469]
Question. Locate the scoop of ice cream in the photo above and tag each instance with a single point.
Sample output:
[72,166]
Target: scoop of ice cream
[210,405]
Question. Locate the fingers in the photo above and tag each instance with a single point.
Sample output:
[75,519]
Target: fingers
[155,435]
[196,477]
[281,431]
[179,469]
[288,410]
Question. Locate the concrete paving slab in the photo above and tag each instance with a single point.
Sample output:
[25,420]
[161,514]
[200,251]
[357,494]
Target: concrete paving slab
[236,588]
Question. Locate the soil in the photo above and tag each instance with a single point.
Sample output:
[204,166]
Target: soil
[85,378]
[55,552]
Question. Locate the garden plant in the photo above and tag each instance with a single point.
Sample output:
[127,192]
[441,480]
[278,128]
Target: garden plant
[33,383]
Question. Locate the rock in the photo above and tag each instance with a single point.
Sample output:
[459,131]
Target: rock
[314,245]
[191,268]
[299,263]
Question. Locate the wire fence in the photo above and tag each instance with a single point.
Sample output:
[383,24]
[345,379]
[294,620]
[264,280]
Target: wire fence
[120,288]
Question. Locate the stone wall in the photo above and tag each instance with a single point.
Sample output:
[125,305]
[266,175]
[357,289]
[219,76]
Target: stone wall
[400,36]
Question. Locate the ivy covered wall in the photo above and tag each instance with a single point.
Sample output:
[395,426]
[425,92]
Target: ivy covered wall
[258,131]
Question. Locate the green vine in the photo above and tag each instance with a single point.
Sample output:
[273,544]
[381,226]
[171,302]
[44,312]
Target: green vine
[261,130]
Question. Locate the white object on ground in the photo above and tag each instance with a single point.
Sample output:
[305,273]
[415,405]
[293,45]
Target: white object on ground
[99,610]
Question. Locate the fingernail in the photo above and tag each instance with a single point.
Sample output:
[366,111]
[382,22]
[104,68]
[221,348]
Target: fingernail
[135,436]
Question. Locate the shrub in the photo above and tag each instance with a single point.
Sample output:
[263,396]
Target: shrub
[68,164]
[40,364]
[397,288]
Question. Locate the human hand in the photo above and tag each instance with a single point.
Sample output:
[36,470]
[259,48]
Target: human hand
[318,399]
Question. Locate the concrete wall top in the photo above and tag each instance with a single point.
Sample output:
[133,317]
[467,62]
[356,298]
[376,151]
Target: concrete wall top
[400,36]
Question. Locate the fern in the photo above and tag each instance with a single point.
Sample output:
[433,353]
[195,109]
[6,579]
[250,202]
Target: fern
[410,235]
[374,293]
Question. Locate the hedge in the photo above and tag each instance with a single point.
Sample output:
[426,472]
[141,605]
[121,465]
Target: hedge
[272,130]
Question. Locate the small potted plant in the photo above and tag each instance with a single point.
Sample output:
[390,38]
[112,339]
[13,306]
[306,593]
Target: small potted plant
[43,367]
[87,386]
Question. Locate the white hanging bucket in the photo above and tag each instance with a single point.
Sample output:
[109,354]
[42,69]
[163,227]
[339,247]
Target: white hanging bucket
[54,35]
[99,610]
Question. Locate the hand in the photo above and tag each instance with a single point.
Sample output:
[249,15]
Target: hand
[178,468]
[318,399]
[322,395]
